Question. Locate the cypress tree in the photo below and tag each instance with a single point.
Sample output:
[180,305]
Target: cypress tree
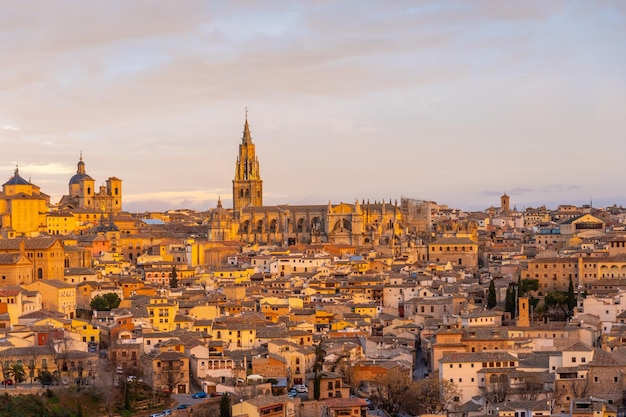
[225,406]
[571,297]
[174,278]
[491,297]
[510,303]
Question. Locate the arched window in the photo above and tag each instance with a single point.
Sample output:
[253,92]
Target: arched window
[503,380]
[39,273]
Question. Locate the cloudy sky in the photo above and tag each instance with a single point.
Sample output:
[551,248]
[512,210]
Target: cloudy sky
[451,101]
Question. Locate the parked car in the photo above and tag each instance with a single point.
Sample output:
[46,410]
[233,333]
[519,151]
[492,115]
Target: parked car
[199,394]
[300,388]
[119,370]
[292,393]
[182,406]
[166,412]
[7,381]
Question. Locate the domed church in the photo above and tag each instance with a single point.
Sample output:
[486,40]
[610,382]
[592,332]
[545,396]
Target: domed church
[82,193]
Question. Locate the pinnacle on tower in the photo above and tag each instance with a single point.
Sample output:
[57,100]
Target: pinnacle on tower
[246,139]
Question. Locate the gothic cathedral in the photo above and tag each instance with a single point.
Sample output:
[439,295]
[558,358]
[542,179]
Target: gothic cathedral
[360,224]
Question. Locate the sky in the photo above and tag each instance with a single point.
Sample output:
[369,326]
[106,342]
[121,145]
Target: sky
[455,102]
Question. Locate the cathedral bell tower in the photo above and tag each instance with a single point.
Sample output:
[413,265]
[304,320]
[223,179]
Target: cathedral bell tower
[247,185]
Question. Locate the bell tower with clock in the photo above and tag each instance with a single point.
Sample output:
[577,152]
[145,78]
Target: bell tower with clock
[247,185]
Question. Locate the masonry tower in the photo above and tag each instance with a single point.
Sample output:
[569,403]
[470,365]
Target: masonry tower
[247,185]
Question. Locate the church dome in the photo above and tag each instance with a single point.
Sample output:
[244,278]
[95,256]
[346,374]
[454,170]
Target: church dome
[77,178]
[16,179]
[81,174]
[220,213]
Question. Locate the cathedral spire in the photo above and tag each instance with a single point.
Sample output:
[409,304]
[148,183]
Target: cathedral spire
[246,139]
[247,185]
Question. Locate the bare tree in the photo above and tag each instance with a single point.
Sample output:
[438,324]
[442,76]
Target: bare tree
[432,396]
[31,365]
[343,366]
[497,392]
[391,392]
[171,374]
[529,389]
[60,344]
[579,388]
[575,388]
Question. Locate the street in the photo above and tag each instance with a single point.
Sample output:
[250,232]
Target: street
[420,370]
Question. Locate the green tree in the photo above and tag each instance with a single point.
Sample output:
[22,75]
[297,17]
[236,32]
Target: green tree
[17,372]
[105,302]
[44,376]
[571,297]
[510,303]
[556,300]
[528,285]
[225,406]
[491,297]
[520,288]
[174,278]
[317,369]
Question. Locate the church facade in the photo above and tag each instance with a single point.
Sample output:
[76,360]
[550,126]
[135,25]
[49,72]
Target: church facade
[361,224]
[83,197]
[23,208]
